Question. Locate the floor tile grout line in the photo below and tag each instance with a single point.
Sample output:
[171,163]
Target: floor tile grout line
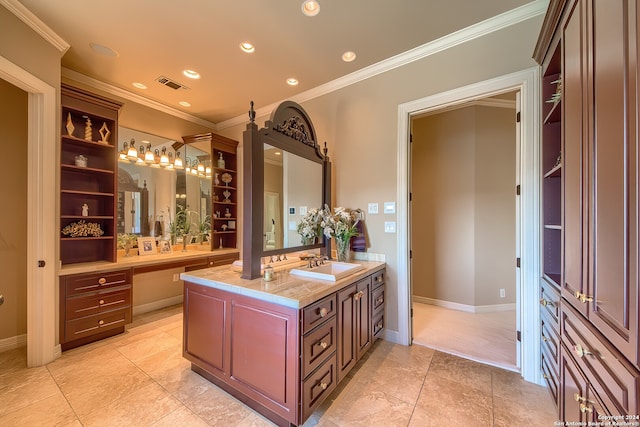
[64,395]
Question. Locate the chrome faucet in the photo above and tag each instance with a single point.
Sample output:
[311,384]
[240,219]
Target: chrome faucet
[315,260]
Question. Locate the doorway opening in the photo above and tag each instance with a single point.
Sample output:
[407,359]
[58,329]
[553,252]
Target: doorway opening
[526,82]
[463,229]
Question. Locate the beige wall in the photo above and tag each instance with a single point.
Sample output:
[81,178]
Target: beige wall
[13,217]
[359,123]
[463,209]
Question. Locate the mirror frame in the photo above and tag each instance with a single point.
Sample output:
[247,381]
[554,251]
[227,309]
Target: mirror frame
[290,129]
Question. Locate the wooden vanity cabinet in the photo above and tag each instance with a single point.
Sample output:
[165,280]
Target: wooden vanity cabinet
[281,361]
[94,306]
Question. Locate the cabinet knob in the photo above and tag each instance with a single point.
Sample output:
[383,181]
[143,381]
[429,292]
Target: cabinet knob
[379,300]
[545,339]
[323,344]
[324,385]
[581,351]
[323,312]
[545,302]
[379,325]
[101,322]
[546,377]
[101,301]
[358,295]
[585,408]
[583,297]
[379,278]
[102,280]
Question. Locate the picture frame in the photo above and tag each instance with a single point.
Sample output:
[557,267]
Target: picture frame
[146,246]
[165,246]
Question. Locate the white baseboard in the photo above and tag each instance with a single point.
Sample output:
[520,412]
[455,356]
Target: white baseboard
[156,305]
[391,336]
[12,343]
[464,307]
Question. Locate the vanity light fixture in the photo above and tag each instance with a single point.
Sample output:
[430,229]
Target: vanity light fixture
[132,153]
[292,81]
[156,153]
[177,163]
[247,47]
[310,7]
[192,74]
[148,156]
[348,56]
[139,85]
[164,159]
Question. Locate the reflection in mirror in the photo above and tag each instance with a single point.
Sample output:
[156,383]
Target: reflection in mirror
[153,180]
[290,189]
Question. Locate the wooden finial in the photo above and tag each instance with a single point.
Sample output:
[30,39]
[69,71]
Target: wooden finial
[252,113]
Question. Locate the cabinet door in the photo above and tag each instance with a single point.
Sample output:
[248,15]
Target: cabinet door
[574,98]
[613,281]
[347,353]
[362,300]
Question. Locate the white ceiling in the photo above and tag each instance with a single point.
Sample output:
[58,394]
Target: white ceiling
[162,37]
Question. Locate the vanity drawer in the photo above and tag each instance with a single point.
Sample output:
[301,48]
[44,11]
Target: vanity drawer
[318,386]
[316,313]
[317,346]
[377,324]
[81,283]
[96,303]
[377,300]
[90,325]
[609,373]
[377,279]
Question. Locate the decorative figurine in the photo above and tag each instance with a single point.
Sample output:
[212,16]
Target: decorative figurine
[70,127]
[87,130]
[226,194]
[104,133]
[81,161]
[85,210]
[221,161]
[227,214]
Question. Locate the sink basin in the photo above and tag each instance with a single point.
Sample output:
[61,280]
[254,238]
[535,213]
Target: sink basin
[331,271]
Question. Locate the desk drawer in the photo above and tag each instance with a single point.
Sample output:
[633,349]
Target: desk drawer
[101,302]
[91,282]
[90,325]
[317,346]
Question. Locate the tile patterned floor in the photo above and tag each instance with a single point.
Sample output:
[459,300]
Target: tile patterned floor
[139,378]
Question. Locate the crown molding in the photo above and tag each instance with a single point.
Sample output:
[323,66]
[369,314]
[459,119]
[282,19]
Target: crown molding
[498,22]
[33,22]
[130,96]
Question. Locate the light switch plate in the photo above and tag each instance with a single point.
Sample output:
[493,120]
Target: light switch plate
[389,226]
[389,207]
[303,210]
[293,226]
[373,208]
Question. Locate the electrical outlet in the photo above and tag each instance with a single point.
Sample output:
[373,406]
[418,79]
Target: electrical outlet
[176,277]
[502,293]
[389,226]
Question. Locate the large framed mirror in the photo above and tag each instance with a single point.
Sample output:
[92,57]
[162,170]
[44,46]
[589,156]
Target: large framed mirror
[156,177]
[286,174]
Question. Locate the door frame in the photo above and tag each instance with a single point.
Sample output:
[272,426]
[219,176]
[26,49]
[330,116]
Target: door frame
[41,229]
[527,82]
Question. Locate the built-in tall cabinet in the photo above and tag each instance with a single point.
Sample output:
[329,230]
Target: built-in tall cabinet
[588,50]
[224,221]
[88,177]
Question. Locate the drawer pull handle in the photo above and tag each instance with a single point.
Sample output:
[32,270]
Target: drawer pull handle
[101,322]
[379,325]
[545,302]
[324,385]
[545,339]
[380,300]
[324,312]
[581,351]
[358,295]
[101,301]
[583,297]
[323,344]
[585,408]
[379,278]
[102,280]
[546,377]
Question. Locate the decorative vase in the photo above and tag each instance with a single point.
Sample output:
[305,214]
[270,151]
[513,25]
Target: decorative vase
[185,240]
[216,178]
[127,248]
[342,249]
[172,237]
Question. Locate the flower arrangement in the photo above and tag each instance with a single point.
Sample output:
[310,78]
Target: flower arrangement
[83,229]
[310,227]
[125,239]
[341,223]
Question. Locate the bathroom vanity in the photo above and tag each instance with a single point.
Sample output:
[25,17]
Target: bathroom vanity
[280,346]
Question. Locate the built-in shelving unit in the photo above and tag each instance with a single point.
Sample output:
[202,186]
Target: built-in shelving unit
[88,181]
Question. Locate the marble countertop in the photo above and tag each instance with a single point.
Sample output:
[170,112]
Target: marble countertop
[286,289]
[140,260]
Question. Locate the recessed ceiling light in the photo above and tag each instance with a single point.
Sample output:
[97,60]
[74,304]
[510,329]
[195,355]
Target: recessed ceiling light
[292,82]
[310,7]
[139,85]
[185,104]
[191,74]
[103,50]
[247,47]
[348,56]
